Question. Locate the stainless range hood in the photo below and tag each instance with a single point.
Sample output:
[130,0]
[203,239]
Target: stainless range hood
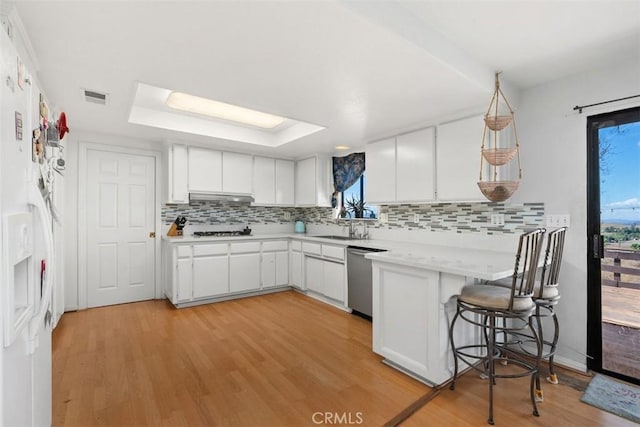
[241,199]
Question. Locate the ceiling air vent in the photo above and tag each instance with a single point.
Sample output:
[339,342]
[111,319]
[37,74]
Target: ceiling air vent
[95,97]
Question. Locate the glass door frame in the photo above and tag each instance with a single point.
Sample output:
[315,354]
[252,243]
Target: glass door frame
[595,244]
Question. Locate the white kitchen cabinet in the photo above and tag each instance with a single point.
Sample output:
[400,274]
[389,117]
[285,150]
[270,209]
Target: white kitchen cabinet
[401,169]
[380,158]
[296,265]
[205,170]
[275,263]
[324,270]
[415,167]
[210,270]
[237,172]
[458,160]
[312,182]
[314,272]
[184,280]
[273,181]
[244,266]
[264,181]
[333,277]
[285,182]
[177,174]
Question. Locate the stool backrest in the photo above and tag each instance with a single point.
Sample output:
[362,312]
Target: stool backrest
[552,259]
[527,257]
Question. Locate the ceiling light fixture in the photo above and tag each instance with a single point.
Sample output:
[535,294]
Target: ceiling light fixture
[341,147]
[221,110]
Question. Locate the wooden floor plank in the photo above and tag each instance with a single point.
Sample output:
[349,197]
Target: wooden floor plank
[273,360]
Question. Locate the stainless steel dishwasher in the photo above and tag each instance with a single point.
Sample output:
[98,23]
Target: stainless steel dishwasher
[359,280]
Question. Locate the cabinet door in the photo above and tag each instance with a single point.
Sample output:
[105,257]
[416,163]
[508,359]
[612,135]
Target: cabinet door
[334,280]
[458,160]
[244,272]
[178,174]
[264,180]
[285,182]
[184,277]
[210,276]
[237,173]
[314,277]
[381,171]
[415,169]
[268,269]
[205,170]
[305,182]
[296,270]
[282,268]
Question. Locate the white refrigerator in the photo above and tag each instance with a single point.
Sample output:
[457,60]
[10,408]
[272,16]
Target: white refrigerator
[27,254]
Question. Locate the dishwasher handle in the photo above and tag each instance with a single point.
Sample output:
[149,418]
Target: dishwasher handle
[363,251]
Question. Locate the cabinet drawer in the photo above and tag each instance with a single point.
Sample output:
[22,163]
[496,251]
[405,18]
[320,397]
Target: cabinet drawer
[311,248]
[296,245]
[244,247]
[216,249]
[336,252]
[184,251]
[280,245]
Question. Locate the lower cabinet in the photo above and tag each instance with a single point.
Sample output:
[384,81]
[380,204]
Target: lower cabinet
[296,277]
[201,271]
[325,277]
[275,263]
[244,272]
[210,276]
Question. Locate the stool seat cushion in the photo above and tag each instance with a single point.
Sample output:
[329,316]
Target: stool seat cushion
[548,292]
[495,297]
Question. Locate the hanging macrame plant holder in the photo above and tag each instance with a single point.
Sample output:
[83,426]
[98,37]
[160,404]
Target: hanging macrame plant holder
[496,120]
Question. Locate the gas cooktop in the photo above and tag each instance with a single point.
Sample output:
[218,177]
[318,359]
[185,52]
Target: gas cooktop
[220,233]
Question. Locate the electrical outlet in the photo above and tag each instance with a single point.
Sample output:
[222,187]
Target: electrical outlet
[497,219]
[416,218]
[287,215]
[384,217]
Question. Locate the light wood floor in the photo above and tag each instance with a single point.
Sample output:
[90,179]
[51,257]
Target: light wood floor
[272,360]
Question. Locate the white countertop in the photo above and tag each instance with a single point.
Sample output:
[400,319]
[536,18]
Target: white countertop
[479,263]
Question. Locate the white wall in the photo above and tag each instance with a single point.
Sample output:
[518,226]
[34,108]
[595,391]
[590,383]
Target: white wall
[553,141]
[71,255]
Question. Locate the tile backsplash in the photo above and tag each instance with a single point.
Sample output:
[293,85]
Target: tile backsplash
[451,217]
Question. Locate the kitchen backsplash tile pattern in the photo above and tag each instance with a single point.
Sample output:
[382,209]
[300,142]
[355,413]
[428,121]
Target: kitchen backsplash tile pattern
[456,217]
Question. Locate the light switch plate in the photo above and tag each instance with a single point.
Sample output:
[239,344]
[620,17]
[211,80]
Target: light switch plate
[287,215]
[384,217]
[558,220]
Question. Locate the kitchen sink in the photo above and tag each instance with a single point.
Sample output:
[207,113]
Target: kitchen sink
[334,237]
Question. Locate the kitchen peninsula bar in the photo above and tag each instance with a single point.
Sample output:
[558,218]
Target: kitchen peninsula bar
[413,304]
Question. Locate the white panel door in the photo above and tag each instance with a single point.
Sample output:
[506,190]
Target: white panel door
[415,168]
[210,276]
[120,211]
[205,170]
[184,276]
[285,189]
[264,180]
[458,160]
[381,171]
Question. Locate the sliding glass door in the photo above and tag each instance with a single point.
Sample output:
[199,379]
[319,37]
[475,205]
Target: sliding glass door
[613,227]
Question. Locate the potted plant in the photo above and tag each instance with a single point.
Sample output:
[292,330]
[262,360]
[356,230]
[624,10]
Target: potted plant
[357,207]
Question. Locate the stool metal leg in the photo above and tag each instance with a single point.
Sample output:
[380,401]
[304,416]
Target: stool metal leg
[452,386]
[535,378]
[553,378]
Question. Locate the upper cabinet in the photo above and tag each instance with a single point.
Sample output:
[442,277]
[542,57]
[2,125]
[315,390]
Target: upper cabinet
[177,174]
[237,172]
[458,160]
[273,181]
[312,182]
[205,170]
[401,169]
[213,171]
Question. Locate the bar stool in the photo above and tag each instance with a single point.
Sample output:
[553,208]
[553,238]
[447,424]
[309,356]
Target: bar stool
[545,296]
[498,309]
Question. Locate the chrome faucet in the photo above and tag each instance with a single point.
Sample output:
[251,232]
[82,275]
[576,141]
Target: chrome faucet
[352,230]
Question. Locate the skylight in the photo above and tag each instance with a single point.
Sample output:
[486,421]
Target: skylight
[220,110]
